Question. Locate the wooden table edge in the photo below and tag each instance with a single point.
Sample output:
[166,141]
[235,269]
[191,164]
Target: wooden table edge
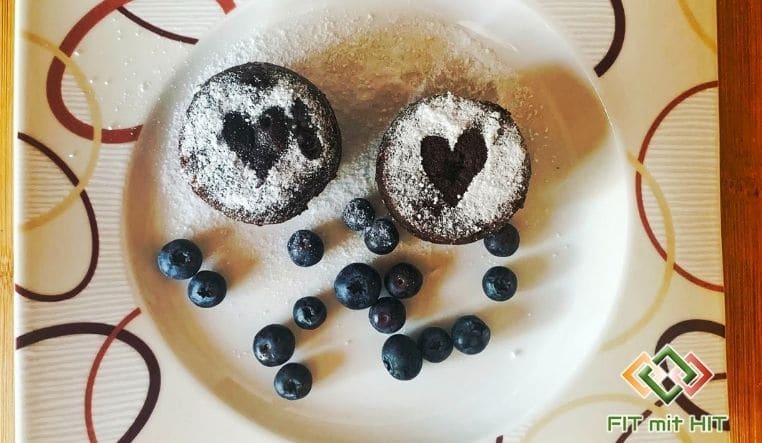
[739,25]
[7,395]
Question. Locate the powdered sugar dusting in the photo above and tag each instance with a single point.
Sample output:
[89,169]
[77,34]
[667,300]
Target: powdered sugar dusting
[493,193]
[369,68]
[218,174]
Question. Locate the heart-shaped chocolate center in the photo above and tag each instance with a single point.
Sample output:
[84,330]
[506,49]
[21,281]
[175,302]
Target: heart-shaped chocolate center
[452,170]
[260,143]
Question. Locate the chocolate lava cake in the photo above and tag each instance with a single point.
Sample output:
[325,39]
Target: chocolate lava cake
[259,142]
[451,170]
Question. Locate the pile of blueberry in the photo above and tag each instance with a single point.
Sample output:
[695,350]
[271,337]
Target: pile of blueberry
[357,286]
[274,345]
[499,283]
[381,236]
[180,260]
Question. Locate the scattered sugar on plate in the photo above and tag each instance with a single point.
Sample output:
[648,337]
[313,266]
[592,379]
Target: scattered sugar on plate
[368,70]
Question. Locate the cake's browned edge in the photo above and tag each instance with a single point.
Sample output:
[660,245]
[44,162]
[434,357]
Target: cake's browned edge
[740,68]
[6,221]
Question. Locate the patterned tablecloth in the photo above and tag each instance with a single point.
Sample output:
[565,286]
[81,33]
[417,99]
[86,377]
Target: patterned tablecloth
[656,67]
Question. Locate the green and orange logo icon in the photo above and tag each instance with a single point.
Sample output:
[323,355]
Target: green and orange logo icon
[647,374]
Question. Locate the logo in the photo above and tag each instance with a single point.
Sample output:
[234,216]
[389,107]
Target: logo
[649,374]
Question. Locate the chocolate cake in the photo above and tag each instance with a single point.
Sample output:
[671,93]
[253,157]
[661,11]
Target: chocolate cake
[259,142]
[451,170]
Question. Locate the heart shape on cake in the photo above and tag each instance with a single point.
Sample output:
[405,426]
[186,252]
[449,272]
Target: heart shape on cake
[261,142]
[452,170]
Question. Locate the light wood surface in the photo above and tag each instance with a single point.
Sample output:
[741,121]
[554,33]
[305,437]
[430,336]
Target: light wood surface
[6,222]
[740,56]
[740,60]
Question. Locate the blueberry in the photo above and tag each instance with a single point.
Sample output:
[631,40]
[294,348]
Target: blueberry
[207,289]
[274,345]
[309,312]
[403,280]
[382,237]
[401,357]
[499,283]
[435,344]
[305,248]
[179,259]
[293,381]
[502,243]
[387,315]
[358,214]
[357,286]
[470,335]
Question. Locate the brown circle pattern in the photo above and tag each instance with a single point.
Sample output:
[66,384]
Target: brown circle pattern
[57,106]
[94,239]
[126,337]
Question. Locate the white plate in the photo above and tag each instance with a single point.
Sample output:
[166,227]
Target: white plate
[370,59]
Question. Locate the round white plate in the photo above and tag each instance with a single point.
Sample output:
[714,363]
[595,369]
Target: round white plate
[371,58]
